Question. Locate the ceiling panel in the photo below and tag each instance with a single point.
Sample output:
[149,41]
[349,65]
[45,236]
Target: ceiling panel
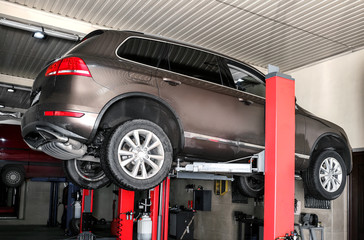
[259,32]
[24,56]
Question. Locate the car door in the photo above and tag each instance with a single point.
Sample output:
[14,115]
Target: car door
[247,95]
[190,81]
[251,90]
[42,165]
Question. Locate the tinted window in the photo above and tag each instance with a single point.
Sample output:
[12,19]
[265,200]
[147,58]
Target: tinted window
[192,62]
[141,50]
[245,81]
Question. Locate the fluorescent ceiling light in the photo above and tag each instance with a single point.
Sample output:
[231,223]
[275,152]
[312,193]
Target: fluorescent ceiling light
[39,35]
[14,87]
[35,29]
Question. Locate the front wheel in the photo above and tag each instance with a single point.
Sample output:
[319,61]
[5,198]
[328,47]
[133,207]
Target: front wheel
[326,177]
[85,174]
[137,155]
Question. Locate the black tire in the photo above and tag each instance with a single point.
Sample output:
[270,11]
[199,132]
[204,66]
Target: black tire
[251,186]
[128,160]
[12,176]
[327,186]
[87,175]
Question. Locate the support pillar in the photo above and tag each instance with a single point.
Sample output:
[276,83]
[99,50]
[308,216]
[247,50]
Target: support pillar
[53,205]
[165,213]
[86,210]
[159,197]
[279,155]
[154,196]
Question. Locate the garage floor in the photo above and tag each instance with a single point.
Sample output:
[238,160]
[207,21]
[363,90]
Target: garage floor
[38,232]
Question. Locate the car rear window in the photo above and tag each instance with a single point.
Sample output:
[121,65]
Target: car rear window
[192,62]
[141,50]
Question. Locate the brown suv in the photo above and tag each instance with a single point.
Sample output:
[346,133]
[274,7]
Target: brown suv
[122,105]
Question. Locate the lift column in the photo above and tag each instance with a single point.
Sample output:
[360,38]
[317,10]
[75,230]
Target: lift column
[159,197]
[279,155]
[86,210]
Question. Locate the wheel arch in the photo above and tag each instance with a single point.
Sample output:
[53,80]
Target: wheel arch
[332,141]
[142,106]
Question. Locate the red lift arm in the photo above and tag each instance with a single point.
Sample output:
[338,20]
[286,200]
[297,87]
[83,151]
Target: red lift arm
[279,156]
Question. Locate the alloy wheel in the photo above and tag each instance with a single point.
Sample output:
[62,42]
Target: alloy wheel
[141,154]
[331,174]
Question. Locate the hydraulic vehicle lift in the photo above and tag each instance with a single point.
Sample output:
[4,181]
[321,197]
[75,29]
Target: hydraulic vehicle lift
[159,212]
[277,163]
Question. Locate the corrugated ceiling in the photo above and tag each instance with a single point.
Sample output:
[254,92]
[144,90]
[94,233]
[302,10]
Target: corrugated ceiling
[288,34]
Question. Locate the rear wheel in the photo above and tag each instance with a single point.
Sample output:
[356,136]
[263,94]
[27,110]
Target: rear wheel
[326,176]
[12,176]
[85,174]
[137,155]
[251,186]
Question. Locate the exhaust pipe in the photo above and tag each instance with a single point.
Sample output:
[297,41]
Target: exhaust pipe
[61,147]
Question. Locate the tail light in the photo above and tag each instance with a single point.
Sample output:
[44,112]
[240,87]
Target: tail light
[63,114]
[68,66]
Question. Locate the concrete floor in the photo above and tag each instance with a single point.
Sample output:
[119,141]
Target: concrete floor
[37,232]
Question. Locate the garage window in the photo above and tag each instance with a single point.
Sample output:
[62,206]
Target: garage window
[141,50]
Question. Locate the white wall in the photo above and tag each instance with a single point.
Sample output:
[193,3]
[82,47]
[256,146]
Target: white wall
[34,209]
[218,223]
[334,90]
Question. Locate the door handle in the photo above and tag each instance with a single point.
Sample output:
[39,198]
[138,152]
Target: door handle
[247,102]
[171,82]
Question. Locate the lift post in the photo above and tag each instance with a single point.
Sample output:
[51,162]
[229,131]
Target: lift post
[279,155]
[86,210]
[160,210]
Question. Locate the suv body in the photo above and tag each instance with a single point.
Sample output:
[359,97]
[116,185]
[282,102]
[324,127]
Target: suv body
[208,106]
[18,161]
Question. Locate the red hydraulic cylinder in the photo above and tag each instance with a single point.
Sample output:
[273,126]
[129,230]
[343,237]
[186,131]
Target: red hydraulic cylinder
[279,156]
[166,186]
[154,196]
[159,197]
[125,214]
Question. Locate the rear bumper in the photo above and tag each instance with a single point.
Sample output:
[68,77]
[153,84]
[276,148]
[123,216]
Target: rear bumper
[78,129]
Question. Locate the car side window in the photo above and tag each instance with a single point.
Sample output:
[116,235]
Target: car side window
[193,63]
[245,81]
[141,50]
